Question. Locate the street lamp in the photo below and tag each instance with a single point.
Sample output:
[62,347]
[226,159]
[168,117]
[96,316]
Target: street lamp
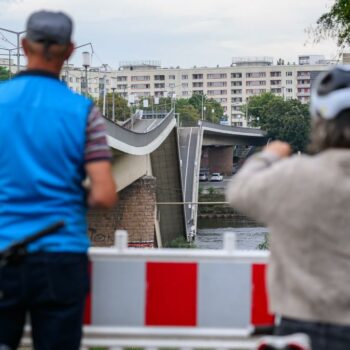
[18,47]
[86,65]
[114,83]
[212,115]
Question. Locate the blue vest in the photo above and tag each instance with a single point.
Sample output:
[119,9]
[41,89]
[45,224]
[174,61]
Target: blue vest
[42,145]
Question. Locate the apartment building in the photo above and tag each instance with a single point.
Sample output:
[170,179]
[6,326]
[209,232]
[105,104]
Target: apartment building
[231,86]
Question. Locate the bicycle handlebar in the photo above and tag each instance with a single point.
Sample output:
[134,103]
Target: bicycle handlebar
[18,249]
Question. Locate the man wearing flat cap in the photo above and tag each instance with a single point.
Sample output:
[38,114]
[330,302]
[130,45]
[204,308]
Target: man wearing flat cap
[51,139]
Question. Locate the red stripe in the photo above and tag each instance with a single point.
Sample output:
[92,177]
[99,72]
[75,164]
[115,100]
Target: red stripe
[260,315]
[171,295]
[87,311]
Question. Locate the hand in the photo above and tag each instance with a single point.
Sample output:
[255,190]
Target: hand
[279,148]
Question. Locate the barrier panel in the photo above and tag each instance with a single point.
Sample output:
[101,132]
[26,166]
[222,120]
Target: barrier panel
[181,298]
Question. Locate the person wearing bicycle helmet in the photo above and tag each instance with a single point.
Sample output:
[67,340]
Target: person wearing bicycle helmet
[304,200]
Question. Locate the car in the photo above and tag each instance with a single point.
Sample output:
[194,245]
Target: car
[216,177]
[203,177]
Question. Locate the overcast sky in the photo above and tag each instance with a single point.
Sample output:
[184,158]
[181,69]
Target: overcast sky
[182,32]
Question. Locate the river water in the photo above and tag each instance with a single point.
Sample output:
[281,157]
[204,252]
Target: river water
[210,234]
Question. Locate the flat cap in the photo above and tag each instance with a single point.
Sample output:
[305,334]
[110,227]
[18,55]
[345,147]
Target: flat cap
[50,27]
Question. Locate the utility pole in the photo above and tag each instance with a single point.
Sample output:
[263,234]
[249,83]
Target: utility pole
[202,106]
[104,96]
[86,65]
[18,46]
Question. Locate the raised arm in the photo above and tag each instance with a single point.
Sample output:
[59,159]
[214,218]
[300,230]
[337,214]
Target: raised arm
[258,184]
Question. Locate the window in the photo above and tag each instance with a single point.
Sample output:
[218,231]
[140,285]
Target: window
[289,74]
[184,77]
[140,78]
[289,90]
[159,77]
[221,100]
[122,78]
[236,75]
[255,91]
[217,76]
[236,92]
[217,92]
[197,76]
[275,74]
[122,86]
[184,85]
[236,99]
[256,75]
[289,82]
[256,82]
[184,93]
[303,82]
[159,85]
[217,84]
[303,74]
[276,91]
[140,86]
[236,83]
[171,77]
[197,84]
[172,85]
[275,82]
[71,79]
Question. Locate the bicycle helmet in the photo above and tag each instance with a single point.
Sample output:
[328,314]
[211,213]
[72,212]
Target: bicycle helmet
[331,93]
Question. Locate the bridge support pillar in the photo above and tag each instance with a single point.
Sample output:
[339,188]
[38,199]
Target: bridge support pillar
[134,212]
[218,159]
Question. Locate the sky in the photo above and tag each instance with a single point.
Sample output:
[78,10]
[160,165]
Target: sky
[183,33]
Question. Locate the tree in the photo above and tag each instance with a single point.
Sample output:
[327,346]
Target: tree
[4,73]
[190,110]
[210,105]
[334,24]
[284,120]
[122,111]
[188,114]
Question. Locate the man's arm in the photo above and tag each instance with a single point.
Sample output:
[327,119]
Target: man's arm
[103,191]
[255,188]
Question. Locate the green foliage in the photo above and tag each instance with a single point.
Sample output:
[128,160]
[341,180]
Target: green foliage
[122,111]
[190,110]
[209,104]
[4,73]
[211,190]
[335,24]
[288,121]
[180,242]
[189,115]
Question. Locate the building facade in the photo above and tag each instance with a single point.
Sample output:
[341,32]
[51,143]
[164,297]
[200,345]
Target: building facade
[231,86]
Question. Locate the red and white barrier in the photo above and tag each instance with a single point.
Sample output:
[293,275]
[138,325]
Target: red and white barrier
[222,289]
